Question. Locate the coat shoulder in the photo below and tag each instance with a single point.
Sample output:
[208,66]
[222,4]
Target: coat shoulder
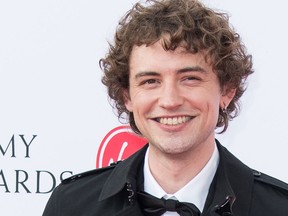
[269,181]
[90,173]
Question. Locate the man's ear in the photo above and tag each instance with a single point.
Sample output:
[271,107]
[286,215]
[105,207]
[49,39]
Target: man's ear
[127,100]
[227,96]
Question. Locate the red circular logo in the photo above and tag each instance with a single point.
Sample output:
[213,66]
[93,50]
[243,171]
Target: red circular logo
[117,145]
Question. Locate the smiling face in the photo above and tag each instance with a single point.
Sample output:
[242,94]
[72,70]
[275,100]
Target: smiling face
[175,98]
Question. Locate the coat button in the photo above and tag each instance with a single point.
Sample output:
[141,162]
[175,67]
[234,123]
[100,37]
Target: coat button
[256,173]
[226,208]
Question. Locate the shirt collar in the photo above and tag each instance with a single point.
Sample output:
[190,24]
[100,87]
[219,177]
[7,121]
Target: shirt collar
[194,191]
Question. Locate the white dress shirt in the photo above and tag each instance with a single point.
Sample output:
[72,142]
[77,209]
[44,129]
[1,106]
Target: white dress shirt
[194,191]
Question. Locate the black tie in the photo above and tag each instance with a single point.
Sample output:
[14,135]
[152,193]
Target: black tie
[152,206]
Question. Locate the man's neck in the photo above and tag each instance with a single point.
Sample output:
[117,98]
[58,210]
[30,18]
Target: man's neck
[172,172]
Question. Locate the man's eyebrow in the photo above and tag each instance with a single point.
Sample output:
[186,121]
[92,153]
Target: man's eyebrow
[191,69]
[146,73]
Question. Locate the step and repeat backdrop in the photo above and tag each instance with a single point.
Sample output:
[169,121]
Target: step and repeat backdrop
[55,117]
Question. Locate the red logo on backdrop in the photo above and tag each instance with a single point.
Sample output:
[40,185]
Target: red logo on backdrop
[117,145]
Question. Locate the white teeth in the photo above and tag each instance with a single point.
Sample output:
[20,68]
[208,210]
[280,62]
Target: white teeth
[174,120]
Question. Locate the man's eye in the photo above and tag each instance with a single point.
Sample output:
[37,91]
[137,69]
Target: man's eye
[192,78]
[149,81]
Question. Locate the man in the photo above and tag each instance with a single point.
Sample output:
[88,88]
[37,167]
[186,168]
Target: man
[177,70]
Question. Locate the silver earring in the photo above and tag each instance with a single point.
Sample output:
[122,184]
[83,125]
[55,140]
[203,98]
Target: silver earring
[224,108]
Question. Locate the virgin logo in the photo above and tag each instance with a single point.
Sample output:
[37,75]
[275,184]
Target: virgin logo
[117,145]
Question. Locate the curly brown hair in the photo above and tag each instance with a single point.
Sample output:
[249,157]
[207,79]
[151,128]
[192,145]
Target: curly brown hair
[188,21]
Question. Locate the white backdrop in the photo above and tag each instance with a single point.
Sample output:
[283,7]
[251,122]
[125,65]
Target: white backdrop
[54,110]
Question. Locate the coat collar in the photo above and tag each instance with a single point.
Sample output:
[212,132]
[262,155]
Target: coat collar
[233,182]
[124,174]
[233,179]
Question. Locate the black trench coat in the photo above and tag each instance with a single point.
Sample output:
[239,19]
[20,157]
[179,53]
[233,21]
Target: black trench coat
[111,191]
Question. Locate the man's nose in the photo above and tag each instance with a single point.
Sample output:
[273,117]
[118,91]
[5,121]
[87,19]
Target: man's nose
[170,96]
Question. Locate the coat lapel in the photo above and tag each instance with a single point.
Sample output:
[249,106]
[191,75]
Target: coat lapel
[125,172]
[123,180]
[233,182]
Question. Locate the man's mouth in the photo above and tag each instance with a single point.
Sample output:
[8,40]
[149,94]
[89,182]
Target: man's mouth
[173,120]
